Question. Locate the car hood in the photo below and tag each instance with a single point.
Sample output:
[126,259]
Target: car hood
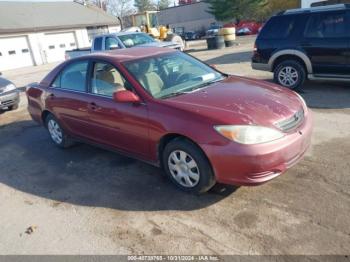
[4,82]
[162,44]
[239,100]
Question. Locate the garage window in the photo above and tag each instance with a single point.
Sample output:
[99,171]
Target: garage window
[12,52]
[51,47]
[62,45]
[26,50]
[72,44]
[0,54]
[73,77]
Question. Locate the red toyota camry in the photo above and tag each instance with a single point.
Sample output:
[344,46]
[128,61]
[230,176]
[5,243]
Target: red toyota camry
[169,109]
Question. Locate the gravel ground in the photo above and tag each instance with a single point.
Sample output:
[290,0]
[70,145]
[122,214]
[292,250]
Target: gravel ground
[88,201]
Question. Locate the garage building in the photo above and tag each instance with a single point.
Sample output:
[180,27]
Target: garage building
[190,17]
[35,33]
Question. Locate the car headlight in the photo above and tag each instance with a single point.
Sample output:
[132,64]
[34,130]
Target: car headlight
[249,135]
[9,87]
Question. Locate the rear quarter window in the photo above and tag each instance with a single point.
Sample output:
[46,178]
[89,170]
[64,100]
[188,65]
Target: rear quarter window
[326,25]
[278,27]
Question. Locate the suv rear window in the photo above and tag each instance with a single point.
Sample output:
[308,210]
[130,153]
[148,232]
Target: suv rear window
[327,25]
[278,27]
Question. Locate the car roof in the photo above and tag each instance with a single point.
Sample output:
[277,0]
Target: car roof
[129,54]
[315,9]
[127,33]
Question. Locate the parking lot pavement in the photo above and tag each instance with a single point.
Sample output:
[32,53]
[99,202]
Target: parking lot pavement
[88,201]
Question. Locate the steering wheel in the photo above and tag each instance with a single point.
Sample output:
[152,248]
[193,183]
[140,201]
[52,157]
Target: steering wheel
[182,78]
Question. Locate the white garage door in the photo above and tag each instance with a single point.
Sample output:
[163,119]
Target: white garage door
[57,44]
[14,53]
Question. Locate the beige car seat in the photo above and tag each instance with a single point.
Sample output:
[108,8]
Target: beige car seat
[112,78]
[149,79]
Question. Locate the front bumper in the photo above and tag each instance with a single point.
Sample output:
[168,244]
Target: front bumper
[249,165]
[9,99]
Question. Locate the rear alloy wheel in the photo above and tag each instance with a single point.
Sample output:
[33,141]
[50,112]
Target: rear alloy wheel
[290,74]
[56,132]
[187,166]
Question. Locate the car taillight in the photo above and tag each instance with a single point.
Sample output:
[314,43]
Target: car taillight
[255,48]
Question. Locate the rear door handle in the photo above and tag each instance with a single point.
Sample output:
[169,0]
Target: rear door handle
[93,106]
[51,96]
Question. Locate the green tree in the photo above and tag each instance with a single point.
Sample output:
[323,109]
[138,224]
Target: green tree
[226,10]
[162,4]
[274,6]
[144,5]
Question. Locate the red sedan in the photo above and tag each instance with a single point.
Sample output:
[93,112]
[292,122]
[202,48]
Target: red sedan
[169,109]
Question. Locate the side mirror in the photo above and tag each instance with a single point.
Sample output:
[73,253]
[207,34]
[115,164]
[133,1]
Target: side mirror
[125,96]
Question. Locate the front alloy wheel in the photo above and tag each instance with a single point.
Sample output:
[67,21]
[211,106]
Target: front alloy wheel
[183,168]
[187,166]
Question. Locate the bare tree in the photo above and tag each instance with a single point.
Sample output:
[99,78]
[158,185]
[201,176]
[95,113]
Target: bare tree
[120,8]
[145,5]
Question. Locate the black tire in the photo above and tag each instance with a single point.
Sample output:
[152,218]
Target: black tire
[65,141]
[296,67]
[13,107]
[216,42]
[230,43]
[219,42]
[203,169]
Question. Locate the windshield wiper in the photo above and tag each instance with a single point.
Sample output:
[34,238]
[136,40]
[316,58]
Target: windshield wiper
[192,89]
[174,94]
[205,84]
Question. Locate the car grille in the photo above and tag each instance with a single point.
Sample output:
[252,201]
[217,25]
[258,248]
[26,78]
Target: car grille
[290,123]
[7,103]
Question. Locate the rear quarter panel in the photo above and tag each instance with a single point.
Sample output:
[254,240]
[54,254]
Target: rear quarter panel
[35,102]
[36,95]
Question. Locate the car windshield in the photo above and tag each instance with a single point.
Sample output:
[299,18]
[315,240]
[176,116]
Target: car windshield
[172,74]
[130,40]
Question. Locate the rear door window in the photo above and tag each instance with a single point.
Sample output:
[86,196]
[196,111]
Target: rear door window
[73,77]
[326,25]
[278,27]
